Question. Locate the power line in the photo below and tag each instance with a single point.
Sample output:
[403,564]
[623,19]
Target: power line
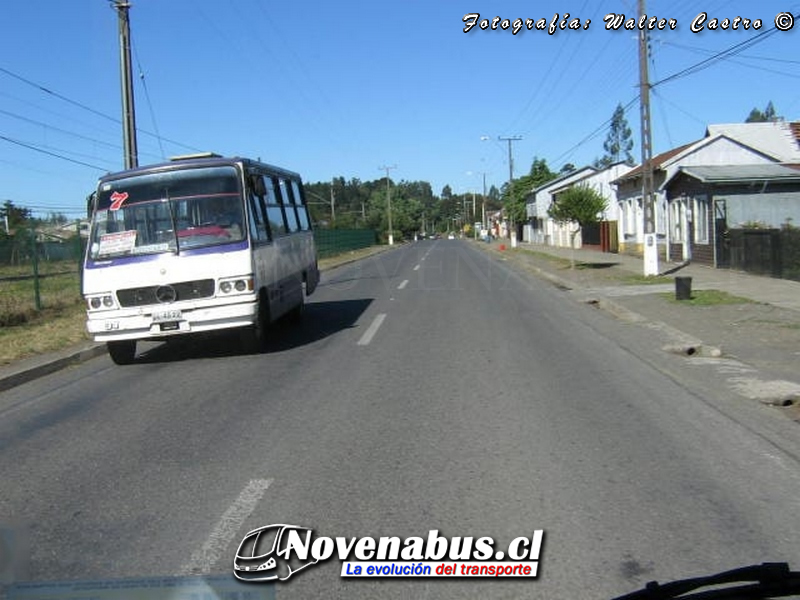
[595,132]
[731,51]
[699,50]
[35,149]
[699,66]
[92,110]
[149,103]
[745,64]
[58,129]
[57,95]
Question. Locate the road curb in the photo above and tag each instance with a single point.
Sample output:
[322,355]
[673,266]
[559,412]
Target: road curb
[680,343]
[48,364]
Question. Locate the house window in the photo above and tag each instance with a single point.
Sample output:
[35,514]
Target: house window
[661,216]
[675,220]
[629,218]
[700,215]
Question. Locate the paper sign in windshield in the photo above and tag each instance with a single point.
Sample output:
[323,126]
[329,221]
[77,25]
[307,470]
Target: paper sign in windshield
[117,243]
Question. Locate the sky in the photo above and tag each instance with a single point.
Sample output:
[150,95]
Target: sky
[349,88]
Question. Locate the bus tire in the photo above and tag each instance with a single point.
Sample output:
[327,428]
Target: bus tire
[296,314]
[122,352]
[254,338]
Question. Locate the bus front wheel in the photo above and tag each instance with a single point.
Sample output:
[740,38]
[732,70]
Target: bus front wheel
[254,338]
[296,314]
[122,352]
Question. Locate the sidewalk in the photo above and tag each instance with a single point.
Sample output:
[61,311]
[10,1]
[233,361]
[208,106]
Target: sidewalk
[760,335]
[782,293]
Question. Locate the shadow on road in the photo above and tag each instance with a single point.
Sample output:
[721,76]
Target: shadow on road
[320,320]
[596,265]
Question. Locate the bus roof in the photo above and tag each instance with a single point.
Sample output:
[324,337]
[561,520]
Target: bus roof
[195,161]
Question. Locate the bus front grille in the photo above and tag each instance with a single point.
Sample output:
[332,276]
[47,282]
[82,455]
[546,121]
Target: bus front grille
[155,294]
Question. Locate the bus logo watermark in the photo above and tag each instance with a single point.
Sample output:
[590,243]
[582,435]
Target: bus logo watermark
[276,552]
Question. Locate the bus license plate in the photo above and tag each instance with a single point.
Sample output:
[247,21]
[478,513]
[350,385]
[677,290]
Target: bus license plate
[165,316]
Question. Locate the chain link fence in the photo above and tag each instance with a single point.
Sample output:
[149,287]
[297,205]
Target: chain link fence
[331,242]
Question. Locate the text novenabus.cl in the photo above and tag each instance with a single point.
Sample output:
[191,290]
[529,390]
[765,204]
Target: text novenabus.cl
[275,552]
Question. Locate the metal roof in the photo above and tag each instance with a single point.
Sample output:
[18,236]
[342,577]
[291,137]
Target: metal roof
[741,173]
[656,161]
[779,139]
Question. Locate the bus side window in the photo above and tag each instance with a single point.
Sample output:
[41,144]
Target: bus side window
[258,224]
[277,224]
[288,206]
[299,200]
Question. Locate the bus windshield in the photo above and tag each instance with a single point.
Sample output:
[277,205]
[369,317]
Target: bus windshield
[167,211]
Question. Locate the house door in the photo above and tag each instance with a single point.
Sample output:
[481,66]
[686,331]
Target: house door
[722,243]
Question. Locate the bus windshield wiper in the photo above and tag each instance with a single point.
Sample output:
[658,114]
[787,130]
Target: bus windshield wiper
[172,221]
[756,582]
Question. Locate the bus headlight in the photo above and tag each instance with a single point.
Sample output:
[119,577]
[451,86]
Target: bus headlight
[236,285]
[103,301]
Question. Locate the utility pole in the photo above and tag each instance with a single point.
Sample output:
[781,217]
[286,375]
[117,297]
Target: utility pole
[513,138]
[483,204]
[473,207]
[648,200]
[333,203]
[389,202]
[128,110]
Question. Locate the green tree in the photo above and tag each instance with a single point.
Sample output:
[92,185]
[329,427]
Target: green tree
[516,196]
[579,205]
[13,216]
[619,143]
[56,218]
[769,115]
[567,168]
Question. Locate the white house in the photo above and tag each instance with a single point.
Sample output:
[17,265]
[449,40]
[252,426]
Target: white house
[552,233]
[539,230]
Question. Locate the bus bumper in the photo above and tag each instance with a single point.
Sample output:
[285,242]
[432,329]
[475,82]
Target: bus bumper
[149,324]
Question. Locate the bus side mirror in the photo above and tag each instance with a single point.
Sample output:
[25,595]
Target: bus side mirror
[90,204]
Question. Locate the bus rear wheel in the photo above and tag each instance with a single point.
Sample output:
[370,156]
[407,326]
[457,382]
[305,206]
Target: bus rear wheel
[122,352]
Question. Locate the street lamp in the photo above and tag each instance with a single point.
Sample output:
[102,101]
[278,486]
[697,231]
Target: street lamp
[484,223]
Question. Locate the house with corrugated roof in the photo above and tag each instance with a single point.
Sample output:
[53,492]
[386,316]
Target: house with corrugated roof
[707,203]
[723,145]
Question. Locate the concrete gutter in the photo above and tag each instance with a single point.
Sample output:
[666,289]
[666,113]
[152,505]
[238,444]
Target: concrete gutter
[39,366]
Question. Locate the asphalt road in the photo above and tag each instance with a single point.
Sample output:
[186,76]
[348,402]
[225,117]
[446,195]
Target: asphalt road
[429,388]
